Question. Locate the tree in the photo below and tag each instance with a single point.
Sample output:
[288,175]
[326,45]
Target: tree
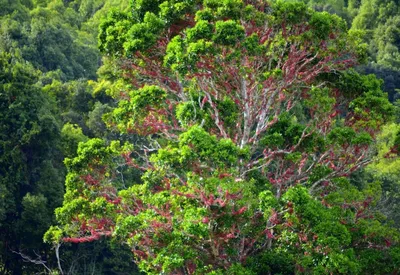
[380,21]
[386,168]
[31,171]
[251,125]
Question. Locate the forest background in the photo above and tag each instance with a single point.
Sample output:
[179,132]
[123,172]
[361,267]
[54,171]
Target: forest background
[55,87]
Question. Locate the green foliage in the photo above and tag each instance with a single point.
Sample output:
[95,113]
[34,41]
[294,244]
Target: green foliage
[346,135]
[95,121]
[147,96]
[59,38]
[141,36]
[288,131]
[31,175]
[324,24]
[202,30]
[55,35]
[379,20]
[290,11]
[385,170]
[228,32]
[71,135]
[123,33]
[197,144]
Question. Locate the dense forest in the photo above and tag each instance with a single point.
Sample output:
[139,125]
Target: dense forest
[199,137]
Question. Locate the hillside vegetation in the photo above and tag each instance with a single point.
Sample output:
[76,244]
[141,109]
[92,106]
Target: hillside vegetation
[199,137]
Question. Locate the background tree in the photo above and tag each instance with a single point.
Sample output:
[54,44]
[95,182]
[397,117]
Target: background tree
[59,38]
[385,168]
[379,20]
[31,179]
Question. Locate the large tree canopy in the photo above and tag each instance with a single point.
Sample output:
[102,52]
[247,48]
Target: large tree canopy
[247,122]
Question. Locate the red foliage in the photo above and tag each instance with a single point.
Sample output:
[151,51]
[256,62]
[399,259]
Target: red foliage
[90,180]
